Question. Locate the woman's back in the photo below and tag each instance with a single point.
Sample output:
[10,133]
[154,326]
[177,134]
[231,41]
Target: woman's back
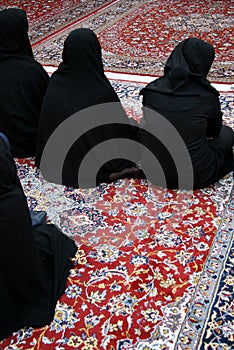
[187,100]
[78,85]
[34,261]
[23,84]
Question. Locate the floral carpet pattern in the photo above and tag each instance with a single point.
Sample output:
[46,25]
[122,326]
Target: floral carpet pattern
[154,267]
[137,36]
[221,322]
[45,18]
[40,10]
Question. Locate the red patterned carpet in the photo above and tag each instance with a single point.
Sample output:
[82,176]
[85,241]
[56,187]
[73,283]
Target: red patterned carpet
[150,32]
[48,17]
[41,10]
[154,268]
[137,36]
[139,267]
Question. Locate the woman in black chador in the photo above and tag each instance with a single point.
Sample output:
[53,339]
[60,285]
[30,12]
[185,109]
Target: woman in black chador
[80,83]
[23,84]
[186,99]
[34,260]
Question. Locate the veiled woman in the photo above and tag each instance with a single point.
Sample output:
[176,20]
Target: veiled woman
[34,261]
[186,99]
[23,83]
[80,84]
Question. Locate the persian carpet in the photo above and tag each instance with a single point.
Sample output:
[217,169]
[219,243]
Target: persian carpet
[45,18]
[154,267]
[137,36]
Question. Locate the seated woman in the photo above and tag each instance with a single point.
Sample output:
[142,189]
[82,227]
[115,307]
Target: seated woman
[23,84]
[185,98]
[79,83]
[34,261]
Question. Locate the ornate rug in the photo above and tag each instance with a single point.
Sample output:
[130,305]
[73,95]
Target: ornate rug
[45,18]
[154,267]
[137,36]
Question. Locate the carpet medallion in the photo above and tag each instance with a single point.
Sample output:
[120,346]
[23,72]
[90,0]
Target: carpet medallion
[154,267]
[137,36]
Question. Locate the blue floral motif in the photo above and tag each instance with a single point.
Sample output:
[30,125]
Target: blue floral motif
[139,260]
[65,317]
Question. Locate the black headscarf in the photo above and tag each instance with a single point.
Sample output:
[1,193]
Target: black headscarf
[34,262]
[14,33]
[23,83]
[184,84]
[79,83]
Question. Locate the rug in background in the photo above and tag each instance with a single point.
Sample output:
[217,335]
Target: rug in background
[137,36]
[48,17]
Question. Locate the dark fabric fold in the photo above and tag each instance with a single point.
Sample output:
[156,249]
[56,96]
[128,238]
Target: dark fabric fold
[34,261]
[23,84]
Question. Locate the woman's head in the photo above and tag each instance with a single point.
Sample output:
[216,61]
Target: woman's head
[14,32]
[199,55]
[83,51]
[184,76]
[192,56]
